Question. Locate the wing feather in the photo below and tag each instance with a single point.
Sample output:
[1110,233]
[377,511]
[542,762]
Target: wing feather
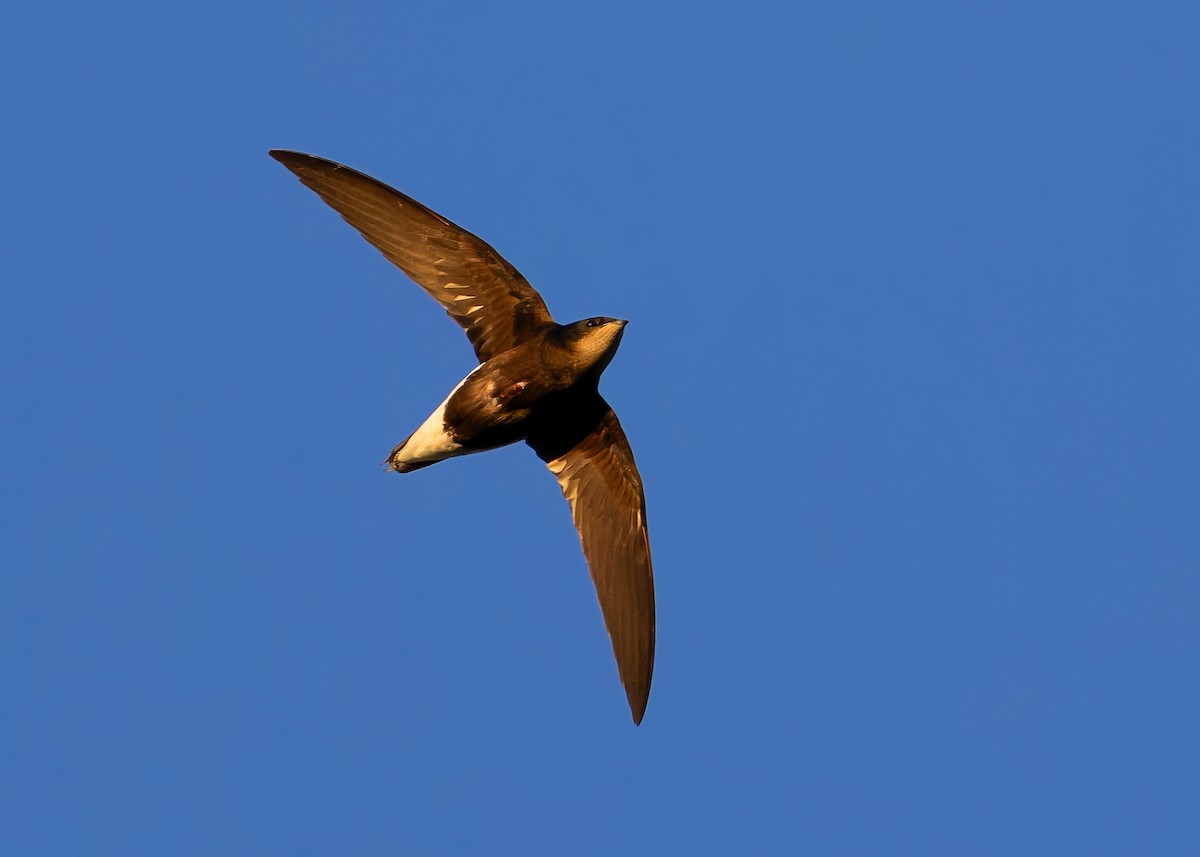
[599,479]
[476,286]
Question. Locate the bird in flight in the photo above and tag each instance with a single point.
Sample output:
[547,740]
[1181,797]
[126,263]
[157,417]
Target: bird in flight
[537,381]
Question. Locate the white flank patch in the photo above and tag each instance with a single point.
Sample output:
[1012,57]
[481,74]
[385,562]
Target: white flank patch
[431,442]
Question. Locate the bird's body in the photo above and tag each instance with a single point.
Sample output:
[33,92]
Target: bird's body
[537,381]
[504,399]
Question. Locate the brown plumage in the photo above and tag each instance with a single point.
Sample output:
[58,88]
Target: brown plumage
[537,381]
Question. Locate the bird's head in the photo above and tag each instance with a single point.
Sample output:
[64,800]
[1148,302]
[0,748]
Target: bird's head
[593,341]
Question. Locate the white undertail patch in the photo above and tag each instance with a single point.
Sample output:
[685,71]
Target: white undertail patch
[431,441]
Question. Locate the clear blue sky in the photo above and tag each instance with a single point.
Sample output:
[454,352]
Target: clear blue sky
[912,375]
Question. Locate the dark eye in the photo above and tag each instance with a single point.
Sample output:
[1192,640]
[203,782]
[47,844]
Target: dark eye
[593,322]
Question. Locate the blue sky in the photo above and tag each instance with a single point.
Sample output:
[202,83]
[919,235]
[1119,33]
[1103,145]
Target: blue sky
[911,374]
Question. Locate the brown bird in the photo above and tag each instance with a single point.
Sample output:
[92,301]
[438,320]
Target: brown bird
[536,381]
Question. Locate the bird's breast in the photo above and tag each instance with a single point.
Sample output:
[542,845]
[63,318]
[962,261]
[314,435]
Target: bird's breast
[494,403]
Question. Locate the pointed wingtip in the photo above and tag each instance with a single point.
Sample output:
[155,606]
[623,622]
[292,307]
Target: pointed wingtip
[288,157]
[637,706]
[295,160]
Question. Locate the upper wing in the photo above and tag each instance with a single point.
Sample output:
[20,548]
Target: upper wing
[590,455]
[474,284]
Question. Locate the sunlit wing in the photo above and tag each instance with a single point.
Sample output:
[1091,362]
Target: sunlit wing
[481,291]
[596,471]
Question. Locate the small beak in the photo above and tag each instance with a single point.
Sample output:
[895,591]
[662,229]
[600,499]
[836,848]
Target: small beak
[621,321]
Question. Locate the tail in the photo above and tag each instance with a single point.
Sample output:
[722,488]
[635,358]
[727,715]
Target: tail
[394,465]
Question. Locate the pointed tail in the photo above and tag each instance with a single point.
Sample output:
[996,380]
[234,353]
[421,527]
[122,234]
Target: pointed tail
[393,463]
